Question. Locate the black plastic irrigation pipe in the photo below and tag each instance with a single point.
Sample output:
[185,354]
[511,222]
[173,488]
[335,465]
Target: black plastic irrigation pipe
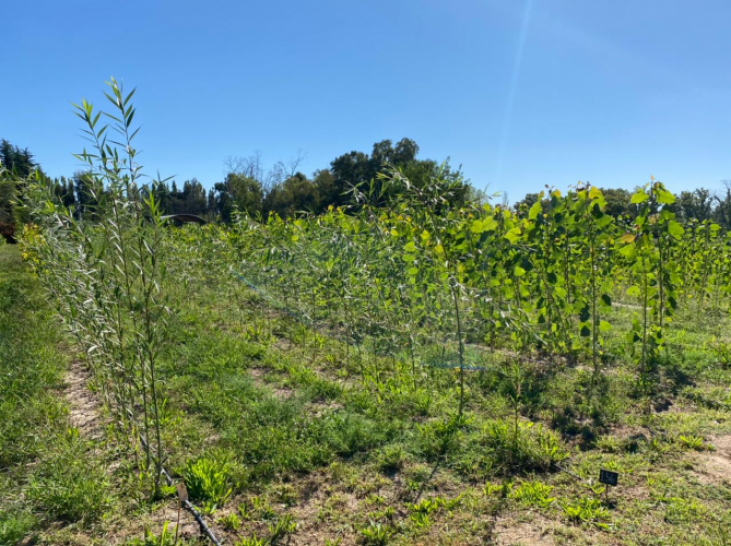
[205,530]
[562,469]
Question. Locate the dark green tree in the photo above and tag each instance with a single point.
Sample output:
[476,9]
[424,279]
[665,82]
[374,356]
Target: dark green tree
[240,192]
[696,204]
[295,194]
[89,194]
[618,201]
[722,210]
[16,161]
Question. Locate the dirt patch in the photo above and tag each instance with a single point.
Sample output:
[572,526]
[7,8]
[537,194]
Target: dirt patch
[539,531]
[318,409]
[627,306]
[715,467]
[627,433]
[319,522]
[723,444]
[258,377]
[324,515]
[283,344]
[84,408]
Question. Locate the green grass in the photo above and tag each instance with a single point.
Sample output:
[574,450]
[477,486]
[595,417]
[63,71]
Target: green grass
[348,457]
[48,475]
[282,436]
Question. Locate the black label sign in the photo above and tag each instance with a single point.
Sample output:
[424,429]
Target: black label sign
[608,477]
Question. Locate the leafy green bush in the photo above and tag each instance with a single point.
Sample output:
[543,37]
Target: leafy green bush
[522,448]
[437,437]
[588,511]
[15,526]
[230,522]
[695,443]
[376,534]
[284,527]
[208,480]
[533,493]
[391,458]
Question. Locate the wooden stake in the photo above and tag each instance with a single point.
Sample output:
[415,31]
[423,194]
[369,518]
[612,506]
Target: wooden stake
[182,497]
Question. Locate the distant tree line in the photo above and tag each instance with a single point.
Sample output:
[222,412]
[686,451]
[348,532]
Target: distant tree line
[284,189]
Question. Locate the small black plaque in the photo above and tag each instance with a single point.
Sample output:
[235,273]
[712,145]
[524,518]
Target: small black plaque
[608,477]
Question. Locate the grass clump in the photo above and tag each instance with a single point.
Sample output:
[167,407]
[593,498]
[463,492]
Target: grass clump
[534,494]
[587,510]
[207,480]
[522,447]
[15,525]
[376,534]
[166,537]
[68,487]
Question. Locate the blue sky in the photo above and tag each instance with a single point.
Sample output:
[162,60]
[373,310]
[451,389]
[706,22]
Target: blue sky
[521,93]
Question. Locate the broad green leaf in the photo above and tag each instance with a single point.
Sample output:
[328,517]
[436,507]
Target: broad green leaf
[640,196]
[535,210]
[604,221]
[666,215]
[664,197]
[675,229]
[629,251]
[513,235]
[489,224]
[634,291]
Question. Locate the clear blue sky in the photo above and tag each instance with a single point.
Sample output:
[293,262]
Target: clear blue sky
[521,93]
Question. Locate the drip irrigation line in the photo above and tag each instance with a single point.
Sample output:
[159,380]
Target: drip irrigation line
[562,469]
[204,529]
[458,367]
